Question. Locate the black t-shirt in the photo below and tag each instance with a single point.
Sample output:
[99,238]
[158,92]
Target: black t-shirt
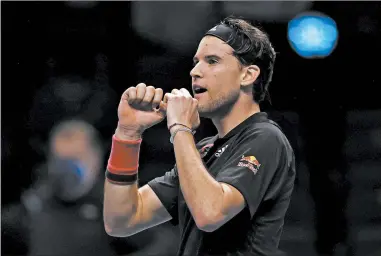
[255,158]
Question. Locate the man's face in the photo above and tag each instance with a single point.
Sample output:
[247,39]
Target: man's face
[218,72]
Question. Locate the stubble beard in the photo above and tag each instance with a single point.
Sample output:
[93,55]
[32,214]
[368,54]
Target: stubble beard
[219,106]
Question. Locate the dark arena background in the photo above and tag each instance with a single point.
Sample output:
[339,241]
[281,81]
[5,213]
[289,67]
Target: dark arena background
[64,66]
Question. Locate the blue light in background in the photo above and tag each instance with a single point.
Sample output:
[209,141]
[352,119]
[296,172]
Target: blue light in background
[312,35]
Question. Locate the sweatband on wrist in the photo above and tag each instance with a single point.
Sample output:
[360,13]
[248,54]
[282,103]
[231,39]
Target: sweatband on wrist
[124,156]
[120,178]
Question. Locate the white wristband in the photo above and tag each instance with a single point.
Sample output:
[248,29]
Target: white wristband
[180,129]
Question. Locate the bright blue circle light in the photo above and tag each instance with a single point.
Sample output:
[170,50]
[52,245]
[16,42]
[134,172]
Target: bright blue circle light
[312,35]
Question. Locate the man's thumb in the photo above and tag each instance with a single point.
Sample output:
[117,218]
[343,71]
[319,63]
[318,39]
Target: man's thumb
[162,110]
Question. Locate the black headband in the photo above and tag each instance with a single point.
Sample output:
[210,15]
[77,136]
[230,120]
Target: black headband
[230,36]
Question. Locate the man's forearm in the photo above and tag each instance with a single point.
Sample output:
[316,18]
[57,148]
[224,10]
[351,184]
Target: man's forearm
[202,193]
[121,202]
[120,205]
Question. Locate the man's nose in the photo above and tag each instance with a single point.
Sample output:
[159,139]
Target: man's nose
[196,72]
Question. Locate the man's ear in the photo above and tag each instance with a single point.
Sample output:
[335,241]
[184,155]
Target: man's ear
[249,75]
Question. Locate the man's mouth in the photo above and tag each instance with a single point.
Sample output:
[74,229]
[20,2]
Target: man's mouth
[198,89]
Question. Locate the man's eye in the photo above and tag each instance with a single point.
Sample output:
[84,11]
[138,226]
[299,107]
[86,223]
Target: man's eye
[212,61]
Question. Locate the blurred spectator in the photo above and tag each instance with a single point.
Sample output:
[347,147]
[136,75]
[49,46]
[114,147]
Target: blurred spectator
[66,201]
[75,159]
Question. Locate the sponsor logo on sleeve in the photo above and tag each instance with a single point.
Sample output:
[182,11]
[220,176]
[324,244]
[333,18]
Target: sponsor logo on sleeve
[250,162]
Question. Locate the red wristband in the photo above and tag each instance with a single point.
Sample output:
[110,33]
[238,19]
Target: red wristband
[124,156]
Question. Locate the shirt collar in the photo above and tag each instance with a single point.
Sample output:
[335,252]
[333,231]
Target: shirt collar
[255,118]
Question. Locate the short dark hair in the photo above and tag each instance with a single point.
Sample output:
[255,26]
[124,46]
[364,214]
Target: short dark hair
[257,46]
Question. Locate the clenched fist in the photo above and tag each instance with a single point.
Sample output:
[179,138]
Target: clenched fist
[140,108]
[182,108]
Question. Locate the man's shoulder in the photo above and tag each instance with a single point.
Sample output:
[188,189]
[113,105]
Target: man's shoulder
[269,133]
[268,129]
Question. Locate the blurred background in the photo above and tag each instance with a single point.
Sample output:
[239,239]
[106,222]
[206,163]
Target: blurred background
[65,65]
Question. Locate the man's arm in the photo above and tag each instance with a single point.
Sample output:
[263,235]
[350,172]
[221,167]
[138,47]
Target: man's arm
[129,209]
[211,203]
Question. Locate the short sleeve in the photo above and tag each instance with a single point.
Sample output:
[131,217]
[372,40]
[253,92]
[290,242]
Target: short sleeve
[252,165]
[166,188]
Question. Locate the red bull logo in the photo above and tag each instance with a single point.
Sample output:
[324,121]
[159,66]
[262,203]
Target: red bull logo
[250,162]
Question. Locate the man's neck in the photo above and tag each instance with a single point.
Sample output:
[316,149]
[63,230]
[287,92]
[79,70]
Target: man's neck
[238,113]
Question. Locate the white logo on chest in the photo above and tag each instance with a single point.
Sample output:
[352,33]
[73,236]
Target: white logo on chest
[220,151]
